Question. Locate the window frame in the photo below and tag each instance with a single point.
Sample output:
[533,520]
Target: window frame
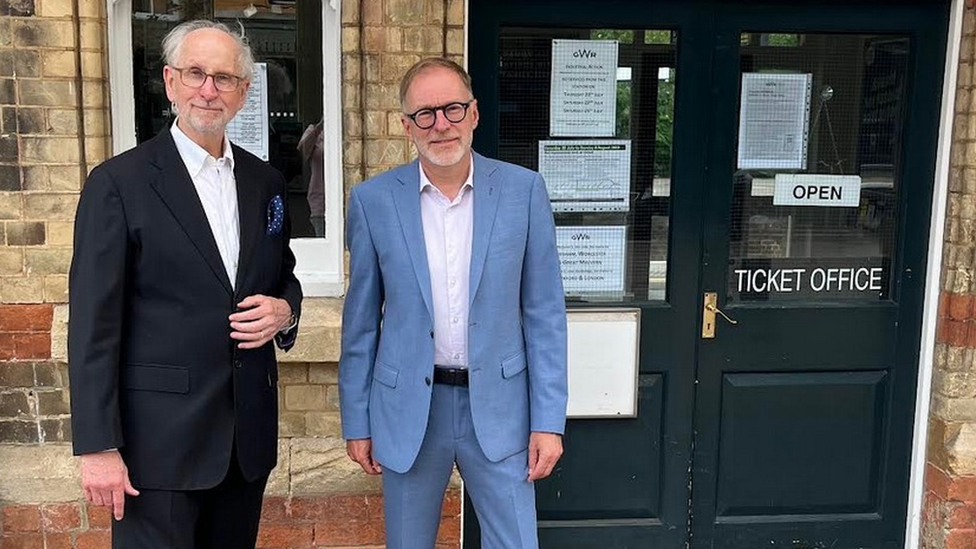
[319,260]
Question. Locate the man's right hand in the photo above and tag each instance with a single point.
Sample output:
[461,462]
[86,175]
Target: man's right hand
[361,451]
[105,479]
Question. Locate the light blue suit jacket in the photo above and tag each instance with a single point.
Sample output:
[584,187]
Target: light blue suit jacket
[517,315]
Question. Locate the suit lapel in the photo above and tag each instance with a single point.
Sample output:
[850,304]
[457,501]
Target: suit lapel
[251,215]
[406,197]
[486,192]
[174,186]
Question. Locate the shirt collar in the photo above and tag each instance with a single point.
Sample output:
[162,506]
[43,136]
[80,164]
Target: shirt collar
[469,182]
[194,156]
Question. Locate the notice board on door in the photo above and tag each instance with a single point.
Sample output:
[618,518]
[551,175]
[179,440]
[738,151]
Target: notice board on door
[603,359]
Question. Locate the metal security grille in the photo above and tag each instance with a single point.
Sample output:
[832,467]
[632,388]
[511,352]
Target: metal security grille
[814,213]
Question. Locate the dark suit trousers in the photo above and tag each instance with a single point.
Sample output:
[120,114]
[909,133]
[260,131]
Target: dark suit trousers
[223,517]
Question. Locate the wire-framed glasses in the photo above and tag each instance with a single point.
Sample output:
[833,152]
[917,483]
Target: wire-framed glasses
[454,112]
[195,77]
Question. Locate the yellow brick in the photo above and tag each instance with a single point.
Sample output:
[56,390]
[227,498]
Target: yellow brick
[62,121]
[36,178]
[53,8]
[65,178]
[323,424]
[350,40]
[96,149]
[394,66]
[327,373]
[48,261]
[372,11]
[371,67]
[93,64]
[6,32]
[91,9]
[394,39]
[394,123]
[43,33]
[94,92]
[93,36]
[376,123]
[22,289]
[455,41]
[291,424]
[405,12]
[59,150]
[305,397]
[455,12]
[47,93]
[11,206]
[350,96]
[96,122]
[56,289]
[387,152]
[51,206]
[58,63]
[350,13]
[352,124]
[374,39]
[60,233]
[383,96]
[11,261]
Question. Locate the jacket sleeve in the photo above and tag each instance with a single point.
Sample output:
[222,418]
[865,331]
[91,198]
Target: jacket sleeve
[544,318]
[97,284]
[361,318]
[289,288]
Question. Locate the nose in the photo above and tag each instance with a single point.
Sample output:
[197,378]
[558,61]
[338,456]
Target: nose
[209,88]
[441,123]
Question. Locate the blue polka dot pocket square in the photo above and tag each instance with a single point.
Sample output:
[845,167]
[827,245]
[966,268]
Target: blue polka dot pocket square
[276,215]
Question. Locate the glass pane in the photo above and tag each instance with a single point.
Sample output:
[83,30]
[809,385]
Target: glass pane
[817,166]
[287,44]
[610,189]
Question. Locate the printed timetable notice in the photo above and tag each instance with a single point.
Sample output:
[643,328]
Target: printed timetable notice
[586,176]
[583,93]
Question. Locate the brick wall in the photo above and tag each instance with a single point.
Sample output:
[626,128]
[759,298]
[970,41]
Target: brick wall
[316,497]
[949,514]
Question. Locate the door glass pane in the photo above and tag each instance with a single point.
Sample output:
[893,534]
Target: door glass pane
[817,167]
[286,40]
[610,187]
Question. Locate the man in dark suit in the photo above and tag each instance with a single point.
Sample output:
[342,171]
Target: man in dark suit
[182,276]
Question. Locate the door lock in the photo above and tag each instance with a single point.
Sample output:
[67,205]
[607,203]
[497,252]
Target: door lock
[708,315]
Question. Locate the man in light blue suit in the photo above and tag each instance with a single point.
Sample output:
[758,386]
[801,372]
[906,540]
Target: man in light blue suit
[454,329]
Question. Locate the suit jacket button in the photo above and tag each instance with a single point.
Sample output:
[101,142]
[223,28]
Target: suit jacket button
[432,334]
[427,381]
[237,363]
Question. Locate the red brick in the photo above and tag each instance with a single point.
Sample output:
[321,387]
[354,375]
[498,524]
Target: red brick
[276,536]
[945,298]
[337,508]
[60,517]
[94,539]
[959,539]
[32,346]
[26,318]
[452,503]
[20,518]
[60,540]
[962,489]
[273,509]
[332,533]
[956,332]
[8,349]
[962,516]
[22,541]
[961,307]
[450,530]
[937,481]
[99,518]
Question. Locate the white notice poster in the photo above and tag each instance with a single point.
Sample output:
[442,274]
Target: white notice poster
[774,116]
[586,176]
[592,259]
[249,129]
[583,96]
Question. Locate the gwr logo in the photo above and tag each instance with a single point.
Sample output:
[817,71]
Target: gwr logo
[584,53]
[580,236]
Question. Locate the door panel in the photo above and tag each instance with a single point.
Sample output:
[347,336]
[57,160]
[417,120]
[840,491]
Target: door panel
[793,426]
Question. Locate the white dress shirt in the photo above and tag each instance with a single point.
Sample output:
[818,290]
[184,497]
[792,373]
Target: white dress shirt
[448,229]
[217,189]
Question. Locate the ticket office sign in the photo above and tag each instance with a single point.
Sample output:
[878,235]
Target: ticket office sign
[827,279]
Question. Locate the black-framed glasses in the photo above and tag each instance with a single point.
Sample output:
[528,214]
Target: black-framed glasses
[454,112]
[195,77]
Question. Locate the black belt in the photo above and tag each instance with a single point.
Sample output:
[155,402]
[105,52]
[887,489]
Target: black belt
[451,376]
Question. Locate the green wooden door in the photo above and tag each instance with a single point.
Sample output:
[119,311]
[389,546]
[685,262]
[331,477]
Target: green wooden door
[792,427]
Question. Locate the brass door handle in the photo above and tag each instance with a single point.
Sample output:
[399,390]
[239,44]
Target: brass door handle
[708,315]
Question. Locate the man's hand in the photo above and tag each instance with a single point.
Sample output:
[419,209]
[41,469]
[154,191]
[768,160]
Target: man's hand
[361,451]
[105,479]
[544,451]
[261,318]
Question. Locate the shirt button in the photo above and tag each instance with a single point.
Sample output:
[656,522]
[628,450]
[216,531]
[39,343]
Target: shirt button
[456,356]
[432,334]
[454,320]
[427,381]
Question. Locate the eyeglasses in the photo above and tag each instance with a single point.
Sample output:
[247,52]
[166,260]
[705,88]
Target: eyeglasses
[194,77]
[427,117]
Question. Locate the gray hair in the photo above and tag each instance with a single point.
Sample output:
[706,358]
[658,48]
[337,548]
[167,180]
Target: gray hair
[430,63]
[173,44]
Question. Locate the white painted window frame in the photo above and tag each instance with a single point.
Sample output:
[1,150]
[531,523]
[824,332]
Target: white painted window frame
[320,260]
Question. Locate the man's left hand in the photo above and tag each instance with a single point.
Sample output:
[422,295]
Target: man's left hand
[544,451]
[260,318]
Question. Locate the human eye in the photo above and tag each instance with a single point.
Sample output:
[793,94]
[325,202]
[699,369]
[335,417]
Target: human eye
[196,73]
[424,117]
[454,109]
[225,80]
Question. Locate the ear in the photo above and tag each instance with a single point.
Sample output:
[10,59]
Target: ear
[473,108]
[406,124]
[169,78]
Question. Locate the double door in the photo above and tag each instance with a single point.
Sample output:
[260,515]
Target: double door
[767,208]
